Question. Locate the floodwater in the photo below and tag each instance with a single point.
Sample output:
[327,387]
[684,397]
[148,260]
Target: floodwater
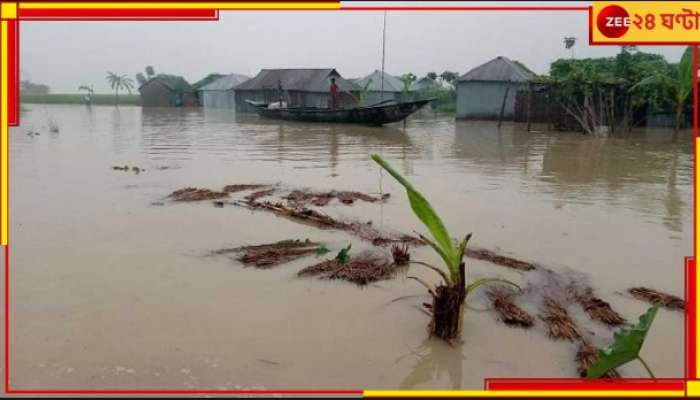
[109,291]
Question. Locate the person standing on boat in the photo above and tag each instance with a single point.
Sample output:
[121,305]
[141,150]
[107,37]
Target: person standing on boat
[334,94]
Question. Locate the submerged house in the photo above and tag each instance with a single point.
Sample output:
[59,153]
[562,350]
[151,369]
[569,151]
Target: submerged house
[481,91]
[219,93]
[425,84]
[301,87]
[167,91]
[393,88]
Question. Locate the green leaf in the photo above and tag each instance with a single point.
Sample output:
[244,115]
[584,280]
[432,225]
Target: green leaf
[442,254]
[344,255]
[425,212]
[439,271]
[321,250]
[626,347]
[462,247]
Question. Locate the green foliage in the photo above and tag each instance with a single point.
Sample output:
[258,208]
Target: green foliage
[343,255]
[442,243]
[626,347]
[445,98]
[321,250]
[630,83]
[407,80]
[449,77]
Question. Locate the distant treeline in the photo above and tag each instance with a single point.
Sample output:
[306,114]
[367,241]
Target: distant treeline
[69,98]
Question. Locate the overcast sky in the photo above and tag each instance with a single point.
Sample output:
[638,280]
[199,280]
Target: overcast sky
[65,55]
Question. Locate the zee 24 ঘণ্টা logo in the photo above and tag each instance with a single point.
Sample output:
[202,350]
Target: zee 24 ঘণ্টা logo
[614,21]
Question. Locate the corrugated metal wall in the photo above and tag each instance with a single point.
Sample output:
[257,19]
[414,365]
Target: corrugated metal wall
[482,100]
[218,99]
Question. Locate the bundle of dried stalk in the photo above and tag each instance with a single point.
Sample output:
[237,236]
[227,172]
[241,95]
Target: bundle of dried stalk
[300,198]
[508,312]
[194,194]
[559,324]
[490,256]
[269,255]
[241,187]
[364,268]
[597,308]
[655,297]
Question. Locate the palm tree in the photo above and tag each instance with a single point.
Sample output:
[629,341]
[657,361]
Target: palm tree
[119,82]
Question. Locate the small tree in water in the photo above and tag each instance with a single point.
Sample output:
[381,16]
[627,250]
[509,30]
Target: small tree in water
[448,297]
[90,92]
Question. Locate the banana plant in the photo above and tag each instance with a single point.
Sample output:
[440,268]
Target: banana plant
[452,253]
[679,84]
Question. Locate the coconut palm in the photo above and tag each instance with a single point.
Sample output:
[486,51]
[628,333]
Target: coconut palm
[118,82]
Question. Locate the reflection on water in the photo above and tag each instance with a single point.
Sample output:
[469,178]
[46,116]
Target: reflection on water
[88,245]
[433,359]
[565,165]
[644,171]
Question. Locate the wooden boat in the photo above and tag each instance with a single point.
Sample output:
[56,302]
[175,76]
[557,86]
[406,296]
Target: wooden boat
[382,113]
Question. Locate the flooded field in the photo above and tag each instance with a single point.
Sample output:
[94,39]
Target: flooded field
[114,286]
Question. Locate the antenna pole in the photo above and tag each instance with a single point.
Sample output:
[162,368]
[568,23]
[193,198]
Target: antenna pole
[383,54]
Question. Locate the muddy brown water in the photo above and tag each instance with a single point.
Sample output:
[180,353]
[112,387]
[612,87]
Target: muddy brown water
[112,291]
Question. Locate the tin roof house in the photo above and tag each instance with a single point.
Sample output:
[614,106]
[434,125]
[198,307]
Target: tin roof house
[167,91]
[301,87]
[480,92]
[220,93]
[393,88]
[425,84]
